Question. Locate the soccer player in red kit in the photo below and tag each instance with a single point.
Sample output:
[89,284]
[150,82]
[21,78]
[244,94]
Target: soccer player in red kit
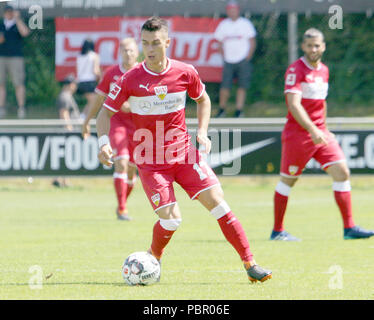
[156,90]
[121,127]
[306,136]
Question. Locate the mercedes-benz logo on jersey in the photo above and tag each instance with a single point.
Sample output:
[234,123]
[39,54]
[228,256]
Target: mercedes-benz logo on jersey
[161,92]
[145,106]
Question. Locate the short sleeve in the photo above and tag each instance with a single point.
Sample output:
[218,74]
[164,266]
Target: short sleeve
[292,80]
[195,86]
[62,103]
[103,87]
[251,30]
[117,95]
[218,33]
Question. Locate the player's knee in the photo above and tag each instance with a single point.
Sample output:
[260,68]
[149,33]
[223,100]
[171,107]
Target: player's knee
[170,224]
[120,165]
[220,210]
[290,182]
[345,173]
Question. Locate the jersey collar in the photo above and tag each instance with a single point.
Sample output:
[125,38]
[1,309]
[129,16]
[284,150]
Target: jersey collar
[155,73]
[308,65]
[122,69]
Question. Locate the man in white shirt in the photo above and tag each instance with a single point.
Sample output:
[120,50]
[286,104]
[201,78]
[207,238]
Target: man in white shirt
[237,38]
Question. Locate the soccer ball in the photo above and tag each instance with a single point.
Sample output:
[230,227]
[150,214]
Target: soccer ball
[141,268]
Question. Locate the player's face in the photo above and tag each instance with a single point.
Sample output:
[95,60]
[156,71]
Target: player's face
[9,14]
[313,49]
[154,46]
[233,13]
[129,52]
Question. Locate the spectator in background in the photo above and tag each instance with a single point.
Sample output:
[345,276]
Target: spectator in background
[12,32]
[66,104]
[237,38]
[88,74]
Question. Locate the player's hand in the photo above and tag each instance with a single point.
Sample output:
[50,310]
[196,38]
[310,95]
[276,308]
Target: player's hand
[204,141]
[318,137]
[86,130]
[126,107]
[105,155]
[16,14]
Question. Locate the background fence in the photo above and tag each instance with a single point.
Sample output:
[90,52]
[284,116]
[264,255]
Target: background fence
[349,55]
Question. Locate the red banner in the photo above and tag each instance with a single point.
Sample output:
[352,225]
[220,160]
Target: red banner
[191,41]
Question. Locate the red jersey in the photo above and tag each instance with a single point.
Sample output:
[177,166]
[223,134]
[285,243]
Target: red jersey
[312,84]
[157,102]
[111,75]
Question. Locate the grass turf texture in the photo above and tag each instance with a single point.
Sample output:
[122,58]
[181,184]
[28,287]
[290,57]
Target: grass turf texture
[73,236]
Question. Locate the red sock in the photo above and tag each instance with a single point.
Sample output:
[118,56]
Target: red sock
[130,186]
[280,205]
[121,191]
[234,233]
[343,200]
[161,238]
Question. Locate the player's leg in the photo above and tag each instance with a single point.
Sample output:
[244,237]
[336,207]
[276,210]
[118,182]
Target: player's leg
[280,199]
[3,77]
[17,73]
[169,220]
[159,190]
[120,178]
[91,98]
[200,182]
[131,171]
[131,178]
[224,92]
[119,142]
[292,165]
[213,200]
[340,174]
[244,77]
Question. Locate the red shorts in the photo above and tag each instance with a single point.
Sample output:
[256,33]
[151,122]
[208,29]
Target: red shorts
[298,148]
[193,178]
[121,139]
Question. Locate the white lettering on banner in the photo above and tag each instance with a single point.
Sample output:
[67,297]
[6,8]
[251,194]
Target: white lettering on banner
[44,153]
[200,49]
[57,151]
[5,153]
[73,153]
[68,46]
[369,151]
[90,160]
[197,47]
[24,155]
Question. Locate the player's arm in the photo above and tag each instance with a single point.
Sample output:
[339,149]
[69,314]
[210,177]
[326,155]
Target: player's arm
[302,117]
[203,117]
[64,114]
[103,127]
[252,48]
[21,26]
[92,112]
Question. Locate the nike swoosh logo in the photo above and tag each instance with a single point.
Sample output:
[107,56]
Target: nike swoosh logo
[221,158]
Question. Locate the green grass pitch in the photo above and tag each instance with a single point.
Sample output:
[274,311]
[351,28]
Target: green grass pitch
[69,243]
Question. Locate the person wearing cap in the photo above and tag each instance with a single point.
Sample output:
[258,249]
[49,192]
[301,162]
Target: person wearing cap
[12,32]
[66,104]
[237,38]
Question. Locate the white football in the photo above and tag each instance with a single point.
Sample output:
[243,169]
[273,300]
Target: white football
[141,268]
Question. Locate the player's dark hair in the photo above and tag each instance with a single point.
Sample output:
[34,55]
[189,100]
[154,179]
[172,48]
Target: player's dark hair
[313,33]
[155,24]
[88,45]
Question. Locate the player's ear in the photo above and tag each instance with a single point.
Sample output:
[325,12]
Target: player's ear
[323,46]
[167,42]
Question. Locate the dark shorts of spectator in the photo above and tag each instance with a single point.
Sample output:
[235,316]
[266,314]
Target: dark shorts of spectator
[86,87]
[241,71]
